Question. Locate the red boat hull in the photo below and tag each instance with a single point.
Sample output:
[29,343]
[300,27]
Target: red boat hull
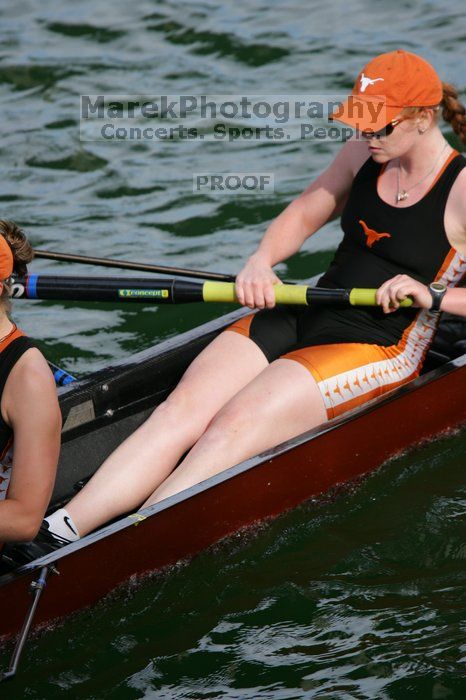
[260,488]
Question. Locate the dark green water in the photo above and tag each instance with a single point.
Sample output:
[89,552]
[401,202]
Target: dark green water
[360,598]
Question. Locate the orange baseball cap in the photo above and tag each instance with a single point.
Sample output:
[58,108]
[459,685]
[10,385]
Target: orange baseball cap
[6,259]
[385,85]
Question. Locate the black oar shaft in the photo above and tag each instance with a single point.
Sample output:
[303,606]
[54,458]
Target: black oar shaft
[135,266]
[113,289]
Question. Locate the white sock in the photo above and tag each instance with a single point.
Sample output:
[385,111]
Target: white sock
[61,524]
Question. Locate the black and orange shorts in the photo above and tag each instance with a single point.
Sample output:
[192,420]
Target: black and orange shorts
[347,374]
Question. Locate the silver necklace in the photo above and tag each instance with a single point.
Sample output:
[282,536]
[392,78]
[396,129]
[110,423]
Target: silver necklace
[402,194]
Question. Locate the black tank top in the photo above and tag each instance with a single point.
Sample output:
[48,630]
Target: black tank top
[381,241]
[11,349]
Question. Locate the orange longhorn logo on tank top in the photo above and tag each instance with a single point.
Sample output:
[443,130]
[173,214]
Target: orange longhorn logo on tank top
[371,235]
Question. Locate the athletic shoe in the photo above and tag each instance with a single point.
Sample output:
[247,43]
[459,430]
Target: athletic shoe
[16,554]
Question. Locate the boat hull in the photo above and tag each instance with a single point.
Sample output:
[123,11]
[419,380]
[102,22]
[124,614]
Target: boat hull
[344,450]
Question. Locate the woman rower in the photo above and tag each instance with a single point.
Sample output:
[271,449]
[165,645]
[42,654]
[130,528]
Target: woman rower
[30,419]
[401,192]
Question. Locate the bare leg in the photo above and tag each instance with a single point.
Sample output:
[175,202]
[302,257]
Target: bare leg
[147,457]
[282,402]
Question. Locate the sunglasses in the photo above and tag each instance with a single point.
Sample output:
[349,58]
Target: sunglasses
[382,133]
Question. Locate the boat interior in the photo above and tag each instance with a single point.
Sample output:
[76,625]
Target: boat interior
[101,410]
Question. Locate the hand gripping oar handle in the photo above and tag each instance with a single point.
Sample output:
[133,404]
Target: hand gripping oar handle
[36,588]
[366,297]
[301,294]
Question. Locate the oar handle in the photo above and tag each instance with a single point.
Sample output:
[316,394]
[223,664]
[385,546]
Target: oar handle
[284,293]
[300,294]
[366,297]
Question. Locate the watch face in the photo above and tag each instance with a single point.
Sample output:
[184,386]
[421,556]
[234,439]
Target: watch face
[438,287]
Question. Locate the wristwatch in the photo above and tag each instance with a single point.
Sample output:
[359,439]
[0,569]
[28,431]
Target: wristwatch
[437,292]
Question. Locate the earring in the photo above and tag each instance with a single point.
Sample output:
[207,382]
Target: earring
[421,131]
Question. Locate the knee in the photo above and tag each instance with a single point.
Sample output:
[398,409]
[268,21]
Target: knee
[179,412]
[172,410]
[230,422]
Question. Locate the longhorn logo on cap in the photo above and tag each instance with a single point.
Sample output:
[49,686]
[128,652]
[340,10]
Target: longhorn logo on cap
[365,82]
